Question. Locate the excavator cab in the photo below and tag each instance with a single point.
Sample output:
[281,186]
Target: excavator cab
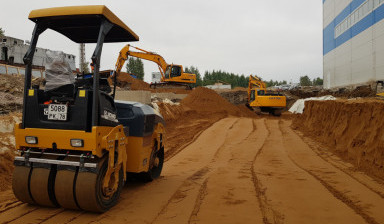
[172,71]
[76,146]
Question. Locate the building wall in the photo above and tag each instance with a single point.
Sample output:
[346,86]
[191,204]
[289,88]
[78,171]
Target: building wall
[353,42]
[16,49]
[156,77]
[218,86]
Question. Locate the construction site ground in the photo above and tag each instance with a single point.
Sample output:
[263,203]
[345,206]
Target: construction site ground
[225,164]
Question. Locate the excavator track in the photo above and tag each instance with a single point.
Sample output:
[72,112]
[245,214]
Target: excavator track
[64,186]
[166,85]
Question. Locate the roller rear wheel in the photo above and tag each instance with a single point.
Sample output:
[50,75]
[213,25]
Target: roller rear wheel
[89,190]
[155,166]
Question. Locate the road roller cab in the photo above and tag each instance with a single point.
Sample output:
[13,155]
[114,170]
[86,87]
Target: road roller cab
[76,143]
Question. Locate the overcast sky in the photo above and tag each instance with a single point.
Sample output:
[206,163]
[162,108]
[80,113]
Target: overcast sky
[280,39]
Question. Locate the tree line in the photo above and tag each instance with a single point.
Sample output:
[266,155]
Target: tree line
[136,67]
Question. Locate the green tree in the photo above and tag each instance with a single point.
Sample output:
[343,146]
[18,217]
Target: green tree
[195,70]
[136,67]
[235,80]
[318,81]
[1,32]
[305,81]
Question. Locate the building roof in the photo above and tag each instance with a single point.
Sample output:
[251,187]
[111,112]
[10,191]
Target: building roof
[81,24]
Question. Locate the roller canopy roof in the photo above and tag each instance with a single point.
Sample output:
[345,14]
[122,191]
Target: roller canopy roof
[81,24]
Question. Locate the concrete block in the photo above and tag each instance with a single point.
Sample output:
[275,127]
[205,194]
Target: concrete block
[137,96]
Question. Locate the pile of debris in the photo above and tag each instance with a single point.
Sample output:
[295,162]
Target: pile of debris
[13,84]
[307,92]
[10,103]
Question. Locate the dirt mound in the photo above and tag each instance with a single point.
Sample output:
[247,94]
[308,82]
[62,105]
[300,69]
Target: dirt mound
[6,169]
[199,110]
[306,92]
[13,84]
[10,103]
[7,148]
[206,100]
[352,128]
[125,80]
[235,97]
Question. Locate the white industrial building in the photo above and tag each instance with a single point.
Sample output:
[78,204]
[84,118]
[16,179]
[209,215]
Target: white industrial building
[353,42]
[219,85]
[156,77]
[12,51]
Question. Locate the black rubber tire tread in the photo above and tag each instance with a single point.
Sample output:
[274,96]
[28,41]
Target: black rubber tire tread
[276,112]
[155,171]
[64,189]
[20,184]
[42,186]
[88,190]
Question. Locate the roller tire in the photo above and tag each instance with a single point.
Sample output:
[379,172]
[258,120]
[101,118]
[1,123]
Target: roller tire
[64,188]
[20,184]
[41,185]
[89,193]
[155,171]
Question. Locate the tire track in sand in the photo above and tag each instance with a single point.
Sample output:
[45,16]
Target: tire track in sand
[295,195]
[229,196]
[187,199]
[365,202]
[142,199]
[376,185]
[267,211]
[141,203]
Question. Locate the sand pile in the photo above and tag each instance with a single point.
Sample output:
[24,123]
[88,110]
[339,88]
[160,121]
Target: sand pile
[125,80]
[10,103]
[199,110]
[13,84]
[354,129]
[205,100]
[128,82]
[7,148]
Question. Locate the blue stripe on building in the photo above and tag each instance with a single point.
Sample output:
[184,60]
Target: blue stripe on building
[329,41]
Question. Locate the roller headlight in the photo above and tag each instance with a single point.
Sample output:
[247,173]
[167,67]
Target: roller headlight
[31,140]
[77,143]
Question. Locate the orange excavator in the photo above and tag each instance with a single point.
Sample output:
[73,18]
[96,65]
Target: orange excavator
[262,100]
[171,75]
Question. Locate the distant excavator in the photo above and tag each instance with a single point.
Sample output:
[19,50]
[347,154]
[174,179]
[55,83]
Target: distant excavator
[171,75]
[262,100]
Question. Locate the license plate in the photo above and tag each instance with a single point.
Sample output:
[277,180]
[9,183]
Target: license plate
[57,112]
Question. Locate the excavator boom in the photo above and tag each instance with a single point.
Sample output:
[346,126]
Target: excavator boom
[170,73]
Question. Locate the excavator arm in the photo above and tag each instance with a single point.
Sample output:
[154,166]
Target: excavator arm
[173,74]
[146,55]
[255,82]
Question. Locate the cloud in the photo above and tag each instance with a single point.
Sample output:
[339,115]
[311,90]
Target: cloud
[278,40]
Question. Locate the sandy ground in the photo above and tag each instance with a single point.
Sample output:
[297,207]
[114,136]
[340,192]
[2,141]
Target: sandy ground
[239,170]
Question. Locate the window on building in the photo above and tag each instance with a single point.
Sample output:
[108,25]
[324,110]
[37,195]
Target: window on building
[365,9]
[3,69]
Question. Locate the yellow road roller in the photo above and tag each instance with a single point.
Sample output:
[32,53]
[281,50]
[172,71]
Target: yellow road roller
[77,143]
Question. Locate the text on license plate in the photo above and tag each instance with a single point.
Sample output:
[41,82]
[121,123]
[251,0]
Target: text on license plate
[57,112]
